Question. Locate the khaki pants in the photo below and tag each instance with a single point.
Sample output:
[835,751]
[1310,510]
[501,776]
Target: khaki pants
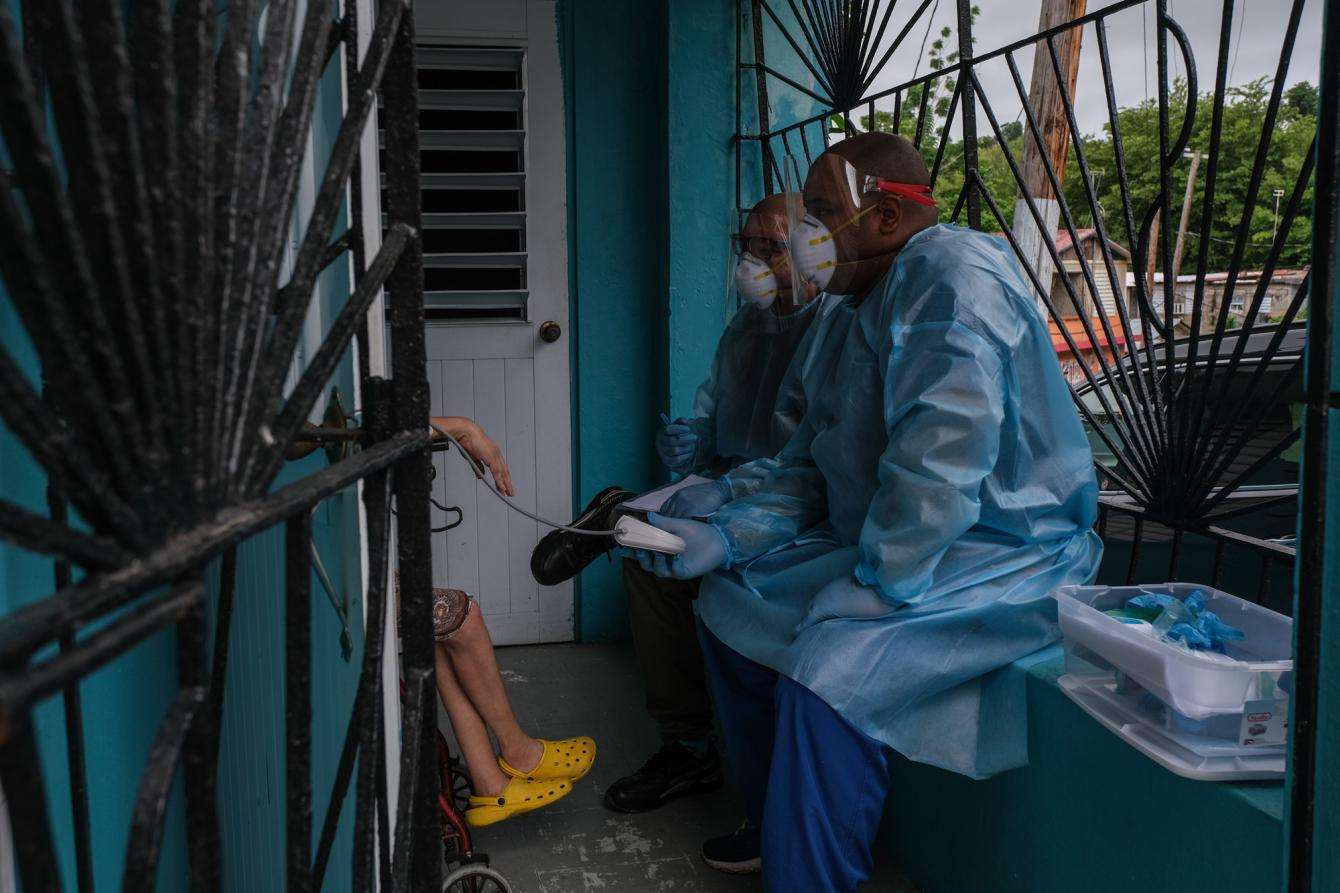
[665,637]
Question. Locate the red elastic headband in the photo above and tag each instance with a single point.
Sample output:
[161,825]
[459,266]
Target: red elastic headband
[917,192]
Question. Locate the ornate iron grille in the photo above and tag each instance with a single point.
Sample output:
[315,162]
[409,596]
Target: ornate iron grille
[1156,410]
[1186,418]
[142,229]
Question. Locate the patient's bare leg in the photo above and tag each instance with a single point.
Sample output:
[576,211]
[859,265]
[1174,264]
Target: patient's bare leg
[486,777]
[471,653]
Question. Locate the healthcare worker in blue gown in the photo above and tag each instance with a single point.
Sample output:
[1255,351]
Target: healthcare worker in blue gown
[736,419]
[872,588]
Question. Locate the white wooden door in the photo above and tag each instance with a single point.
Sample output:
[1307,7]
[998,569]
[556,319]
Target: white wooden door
[495,243]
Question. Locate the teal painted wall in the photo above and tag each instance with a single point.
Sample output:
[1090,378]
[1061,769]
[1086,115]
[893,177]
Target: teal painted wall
[122,703]
[1088,813]
[613,66]
[786,105]
[701,213]
[651,197]
[1326,791]
[700,124]
[1326,830]
[252,766]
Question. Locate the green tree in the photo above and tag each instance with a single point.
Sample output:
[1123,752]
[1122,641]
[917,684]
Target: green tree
[1302,98]
[1244,112]
[1290,140]
[938,92]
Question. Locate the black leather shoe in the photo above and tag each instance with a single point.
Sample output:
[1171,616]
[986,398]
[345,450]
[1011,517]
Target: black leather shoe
[673,771]
[736,853]
[561,555]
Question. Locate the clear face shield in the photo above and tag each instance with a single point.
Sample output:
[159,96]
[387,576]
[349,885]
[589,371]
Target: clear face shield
[762,272]
[825,236]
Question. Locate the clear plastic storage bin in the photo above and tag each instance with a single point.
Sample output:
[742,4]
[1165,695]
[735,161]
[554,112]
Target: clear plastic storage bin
[1206,716]
[1193,684]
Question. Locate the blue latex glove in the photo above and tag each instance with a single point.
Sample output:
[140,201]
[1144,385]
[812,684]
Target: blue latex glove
[1151,600]
[675,445]
[1188,622]
[1192,635]
[704,550]
[1194,601]
[1208,632]
[698,501]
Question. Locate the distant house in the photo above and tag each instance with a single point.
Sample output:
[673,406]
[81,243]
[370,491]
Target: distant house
[1279,292]
[1090,248]
[1094,302]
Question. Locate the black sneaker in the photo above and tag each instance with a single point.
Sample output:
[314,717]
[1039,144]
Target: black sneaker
[673,771]
[737,852]
[562,555]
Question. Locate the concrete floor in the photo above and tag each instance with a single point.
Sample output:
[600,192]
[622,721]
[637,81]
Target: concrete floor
[577,844]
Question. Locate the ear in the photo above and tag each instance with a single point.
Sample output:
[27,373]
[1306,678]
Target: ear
[890,214]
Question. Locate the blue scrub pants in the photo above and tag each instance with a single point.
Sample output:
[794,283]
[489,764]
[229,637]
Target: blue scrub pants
[810,780]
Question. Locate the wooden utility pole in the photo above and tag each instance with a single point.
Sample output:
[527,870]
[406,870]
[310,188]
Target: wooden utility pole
[1046,100]
[1153,258]
[1184,220]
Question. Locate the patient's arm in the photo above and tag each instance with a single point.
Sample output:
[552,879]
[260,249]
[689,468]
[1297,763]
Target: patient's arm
[479,445]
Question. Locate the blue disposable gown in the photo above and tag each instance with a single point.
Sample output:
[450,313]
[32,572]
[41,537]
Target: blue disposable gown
[734,411]
[900,549]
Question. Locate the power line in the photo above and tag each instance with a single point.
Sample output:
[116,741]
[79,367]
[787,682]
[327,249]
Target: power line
[1144,39]
[930,23]
[1251,244]
[1242,27]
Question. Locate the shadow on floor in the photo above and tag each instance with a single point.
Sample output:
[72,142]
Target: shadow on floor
[578,845]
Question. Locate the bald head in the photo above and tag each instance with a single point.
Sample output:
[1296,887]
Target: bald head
[884,155]
[869,225]
[768,218]
[774,204]
[765,232]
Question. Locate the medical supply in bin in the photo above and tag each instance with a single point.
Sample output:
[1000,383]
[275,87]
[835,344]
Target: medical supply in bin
[1195,678]
[1186,621]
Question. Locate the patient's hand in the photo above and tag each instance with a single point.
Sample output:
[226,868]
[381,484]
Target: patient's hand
[480,446]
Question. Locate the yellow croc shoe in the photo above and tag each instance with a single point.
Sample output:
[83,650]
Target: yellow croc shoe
[570,758]
[520,796]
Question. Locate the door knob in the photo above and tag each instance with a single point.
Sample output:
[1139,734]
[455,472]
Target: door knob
[550,332]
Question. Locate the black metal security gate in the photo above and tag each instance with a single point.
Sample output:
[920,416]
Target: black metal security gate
[1185,417]
[153,168]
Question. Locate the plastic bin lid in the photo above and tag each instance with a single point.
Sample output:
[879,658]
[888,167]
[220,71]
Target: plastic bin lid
[1096,696]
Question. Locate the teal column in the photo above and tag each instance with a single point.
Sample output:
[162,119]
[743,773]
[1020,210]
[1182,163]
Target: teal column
[1326,790]
[700,126]
[1318,608]
[650,90]
[614,72]
[701,118]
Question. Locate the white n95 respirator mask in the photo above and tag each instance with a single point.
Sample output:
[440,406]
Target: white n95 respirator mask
[813,251]
[755,281]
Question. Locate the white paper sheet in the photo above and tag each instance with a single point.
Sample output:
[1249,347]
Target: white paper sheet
[652,500]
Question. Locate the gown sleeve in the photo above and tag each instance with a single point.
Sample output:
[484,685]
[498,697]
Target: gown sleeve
[747,479]
[788,500]
[704,419]
[788,412]
[944,404]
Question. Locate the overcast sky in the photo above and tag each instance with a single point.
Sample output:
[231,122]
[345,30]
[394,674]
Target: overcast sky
[1258,31]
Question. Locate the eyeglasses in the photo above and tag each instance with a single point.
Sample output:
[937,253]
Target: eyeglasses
[760,247]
